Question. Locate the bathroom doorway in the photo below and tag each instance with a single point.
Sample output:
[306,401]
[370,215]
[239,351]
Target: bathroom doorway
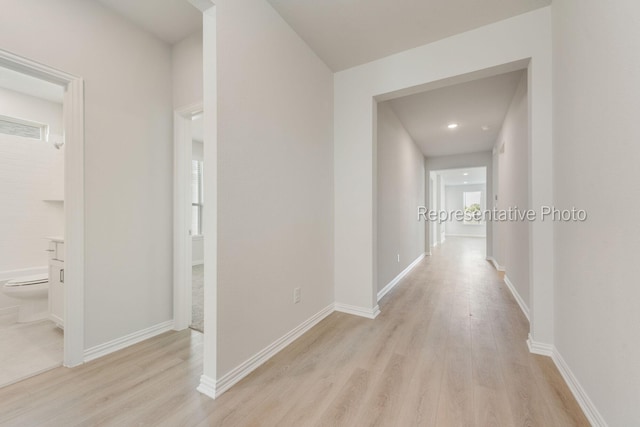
[189,206]
[41,269]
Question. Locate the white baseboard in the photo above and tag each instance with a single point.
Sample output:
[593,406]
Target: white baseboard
[207,386]
[589,409]
[399,277]
[467,235]
[127,340]
[543,349]
[516,295]
[216,388]
[495,264]
[580,394]
[11,274]
[369,313]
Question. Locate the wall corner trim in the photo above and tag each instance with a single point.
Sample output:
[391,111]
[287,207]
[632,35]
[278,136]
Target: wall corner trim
[579,393]
[369,313]
[517,297]
[207,386]
[216,388]
[589,409]
[392,284]
[542,349]
[126,341]
[497,266]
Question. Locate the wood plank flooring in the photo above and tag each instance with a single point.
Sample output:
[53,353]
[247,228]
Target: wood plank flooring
[448,349]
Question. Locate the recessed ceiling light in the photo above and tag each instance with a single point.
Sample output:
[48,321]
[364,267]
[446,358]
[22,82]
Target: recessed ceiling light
[466,182]
[452,125]
[466,173]
[485,128]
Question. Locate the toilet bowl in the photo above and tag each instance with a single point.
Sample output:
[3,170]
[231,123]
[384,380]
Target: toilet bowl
[32,292]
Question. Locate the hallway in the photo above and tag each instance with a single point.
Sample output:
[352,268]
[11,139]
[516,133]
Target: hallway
[448,349]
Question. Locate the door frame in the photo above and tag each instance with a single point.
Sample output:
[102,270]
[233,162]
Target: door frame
[73,125]
[182,239]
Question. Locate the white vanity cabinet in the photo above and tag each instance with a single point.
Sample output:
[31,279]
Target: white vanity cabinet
[56,281]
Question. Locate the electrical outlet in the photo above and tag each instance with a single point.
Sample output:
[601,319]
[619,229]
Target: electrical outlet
[398,257]
[296,295]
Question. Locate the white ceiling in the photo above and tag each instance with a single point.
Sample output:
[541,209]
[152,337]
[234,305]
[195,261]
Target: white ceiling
[458,177]
[346,33]
[169,20]
[471,105]
[32,86]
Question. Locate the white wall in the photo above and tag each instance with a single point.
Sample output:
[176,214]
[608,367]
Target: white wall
[275,186]
[478,53]
[454,202]
[511,238]
[128,154]
[187,69]
[400,190]
[30,172]
[596,134]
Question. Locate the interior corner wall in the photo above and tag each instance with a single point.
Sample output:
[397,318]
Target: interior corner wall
[512,156]
[275,180]
[128,154]
[400,190]
[596,154]
[187,71]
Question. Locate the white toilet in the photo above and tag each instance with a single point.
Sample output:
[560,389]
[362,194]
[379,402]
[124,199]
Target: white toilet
[33,293]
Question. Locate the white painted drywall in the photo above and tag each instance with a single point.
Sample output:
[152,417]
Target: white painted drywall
[454,202]
[596,149]
[521,38]
[275,186]
[128,154]
[186,61]
[400,190]
[30,171]
[512,155]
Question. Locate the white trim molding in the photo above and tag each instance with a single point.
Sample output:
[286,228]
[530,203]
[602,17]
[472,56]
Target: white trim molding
[392,284]
[126,341]
[543,349]
[517,297]
[579,393]
[182,238]
[497,266]
[589,409]
[369,313]
[207,386]
[231,378]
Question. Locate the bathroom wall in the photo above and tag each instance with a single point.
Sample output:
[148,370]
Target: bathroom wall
[31,172]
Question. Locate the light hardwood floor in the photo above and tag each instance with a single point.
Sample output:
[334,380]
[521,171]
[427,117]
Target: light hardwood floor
[27,349]
[448,350]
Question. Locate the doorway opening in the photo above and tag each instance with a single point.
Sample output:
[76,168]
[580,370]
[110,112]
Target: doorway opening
[460,198]
[42,274]
[189,208]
